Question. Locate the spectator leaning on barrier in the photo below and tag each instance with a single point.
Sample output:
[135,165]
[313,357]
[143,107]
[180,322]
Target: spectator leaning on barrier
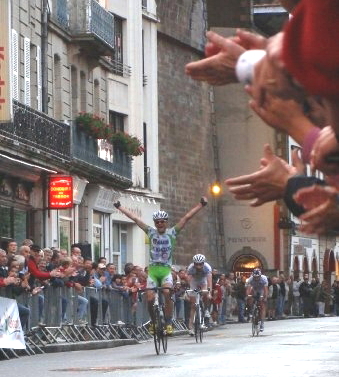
[13,284]
[33,261]
[111,270]
[119,286]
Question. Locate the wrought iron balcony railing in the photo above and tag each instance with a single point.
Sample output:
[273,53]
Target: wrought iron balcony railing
[88,22]
[37,133]
[119,68]
[85,153]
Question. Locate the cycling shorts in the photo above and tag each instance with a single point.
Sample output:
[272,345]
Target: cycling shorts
[198,283]
[158,275]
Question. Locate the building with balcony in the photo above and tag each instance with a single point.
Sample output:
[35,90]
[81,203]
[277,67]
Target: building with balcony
[70,57]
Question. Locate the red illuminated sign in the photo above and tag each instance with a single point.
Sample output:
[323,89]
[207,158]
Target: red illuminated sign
[60,192]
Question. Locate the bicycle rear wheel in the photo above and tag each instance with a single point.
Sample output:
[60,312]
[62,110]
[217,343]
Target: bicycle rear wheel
[157,330]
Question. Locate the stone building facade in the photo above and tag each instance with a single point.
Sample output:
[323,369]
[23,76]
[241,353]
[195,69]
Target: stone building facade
[186,154]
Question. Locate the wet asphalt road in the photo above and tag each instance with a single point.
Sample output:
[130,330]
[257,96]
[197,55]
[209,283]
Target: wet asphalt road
[289,348]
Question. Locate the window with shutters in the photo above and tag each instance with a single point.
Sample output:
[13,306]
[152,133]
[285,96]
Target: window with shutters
[33,77]
[27,72]
[15,65]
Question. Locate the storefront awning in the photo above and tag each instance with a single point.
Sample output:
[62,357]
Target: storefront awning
[23,169]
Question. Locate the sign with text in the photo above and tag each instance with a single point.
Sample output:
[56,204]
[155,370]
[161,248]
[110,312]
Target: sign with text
[60,192]
[5,61]
[11,334]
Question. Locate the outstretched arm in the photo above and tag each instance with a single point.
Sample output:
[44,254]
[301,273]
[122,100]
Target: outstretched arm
[131,215]
[266,184]
[182,222]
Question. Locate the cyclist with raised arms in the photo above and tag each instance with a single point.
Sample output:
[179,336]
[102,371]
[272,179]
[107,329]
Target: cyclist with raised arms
[161,247]
[257,287]
[199,274]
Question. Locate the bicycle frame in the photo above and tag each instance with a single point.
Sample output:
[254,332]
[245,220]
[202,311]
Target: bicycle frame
[256,318]
[158,319]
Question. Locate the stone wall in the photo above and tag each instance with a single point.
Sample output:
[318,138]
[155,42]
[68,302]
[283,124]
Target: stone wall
[186,162]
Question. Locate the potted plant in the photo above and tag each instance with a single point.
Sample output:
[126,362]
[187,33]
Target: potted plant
[93,125]
[129,144]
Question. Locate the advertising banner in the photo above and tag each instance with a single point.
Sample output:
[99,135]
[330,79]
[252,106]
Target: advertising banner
[11,334]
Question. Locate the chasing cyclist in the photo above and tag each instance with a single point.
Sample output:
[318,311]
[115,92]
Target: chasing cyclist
[257,287]
[199,274]
[161,247]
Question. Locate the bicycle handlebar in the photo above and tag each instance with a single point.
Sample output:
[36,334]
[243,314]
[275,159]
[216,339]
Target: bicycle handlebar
[154,289]
[197,290]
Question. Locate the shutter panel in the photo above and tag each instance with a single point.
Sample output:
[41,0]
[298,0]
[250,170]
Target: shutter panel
[15,65]
[39,82]
[27,71]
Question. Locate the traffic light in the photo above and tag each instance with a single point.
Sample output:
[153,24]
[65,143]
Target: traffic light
[216,189]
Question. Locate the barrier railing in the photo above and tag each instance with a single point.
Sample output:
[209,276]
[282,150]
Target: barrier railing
[63,315]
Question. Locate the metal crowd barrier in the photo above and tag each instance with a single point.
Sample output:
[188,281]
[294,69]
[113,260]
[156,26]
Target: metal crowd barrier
[55,317]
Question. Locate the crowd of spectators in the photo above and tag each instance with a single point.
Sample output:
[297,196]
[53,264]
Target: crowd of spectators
[30,269]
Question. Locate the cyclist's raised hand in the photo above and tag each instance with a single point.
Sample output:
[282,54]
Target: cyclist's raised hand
[203,201]
[117,204]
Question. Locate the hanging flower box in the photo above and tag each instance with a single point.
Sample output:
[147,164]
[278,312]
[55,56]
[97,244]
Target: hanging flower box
[93,126]
[126,143]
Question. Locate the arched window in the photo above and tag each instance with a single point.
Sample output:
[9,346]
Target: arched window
[83,91]
[246,263]
[96,99]
[57,88]
[75,89]
[305,266]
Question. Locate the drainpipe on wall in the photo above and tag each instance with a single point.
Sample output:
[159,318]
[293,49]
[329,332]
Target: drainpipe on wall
[221,250]
[44,51]
[44,103]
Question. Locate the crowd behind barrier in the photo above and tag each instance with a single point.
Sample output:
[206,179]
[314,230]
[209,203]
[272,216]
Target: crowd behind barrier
[64,298]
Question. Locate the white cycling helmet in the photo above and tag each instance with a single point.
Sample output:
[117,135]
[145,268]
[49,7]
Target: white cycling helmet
[256,272]
[199,258]
[160,215]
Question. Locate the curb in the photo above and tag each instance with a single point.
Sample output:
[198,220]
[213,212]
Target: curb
[89,345]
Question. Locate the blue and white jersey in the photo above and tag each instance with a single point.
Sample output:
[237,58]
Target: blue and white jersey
[257,284]
[199,274]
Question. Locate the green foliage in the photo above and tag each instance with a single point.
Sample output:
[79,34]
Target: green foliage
[94,126]
[131,145]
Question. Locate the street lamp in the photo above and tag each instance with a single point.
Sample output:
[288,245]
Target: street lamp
[215,189]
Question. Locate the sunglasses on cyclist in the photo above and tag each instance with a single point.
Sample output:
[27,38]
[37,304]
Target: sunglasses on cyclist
[160,221]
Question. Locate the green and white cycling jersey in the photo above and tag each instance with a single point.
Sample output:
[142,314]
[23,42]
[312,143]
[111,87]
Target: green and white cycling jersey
[161,245]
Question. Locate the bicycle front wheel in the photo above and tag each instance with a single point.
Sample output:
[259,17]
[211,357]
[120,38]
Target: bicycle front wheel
[255,322]
[197,324]
[164,338]
[157,330]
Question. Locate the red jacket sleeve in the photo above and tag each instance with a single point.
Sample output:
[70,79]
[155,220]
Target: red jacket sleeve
[2,282]
[34,270]
[310,48]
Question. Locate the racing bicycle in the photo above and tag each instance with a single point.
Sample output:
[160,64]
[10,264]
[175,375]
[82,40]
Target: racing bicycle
[256,309]
[199,320]
[158,319]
